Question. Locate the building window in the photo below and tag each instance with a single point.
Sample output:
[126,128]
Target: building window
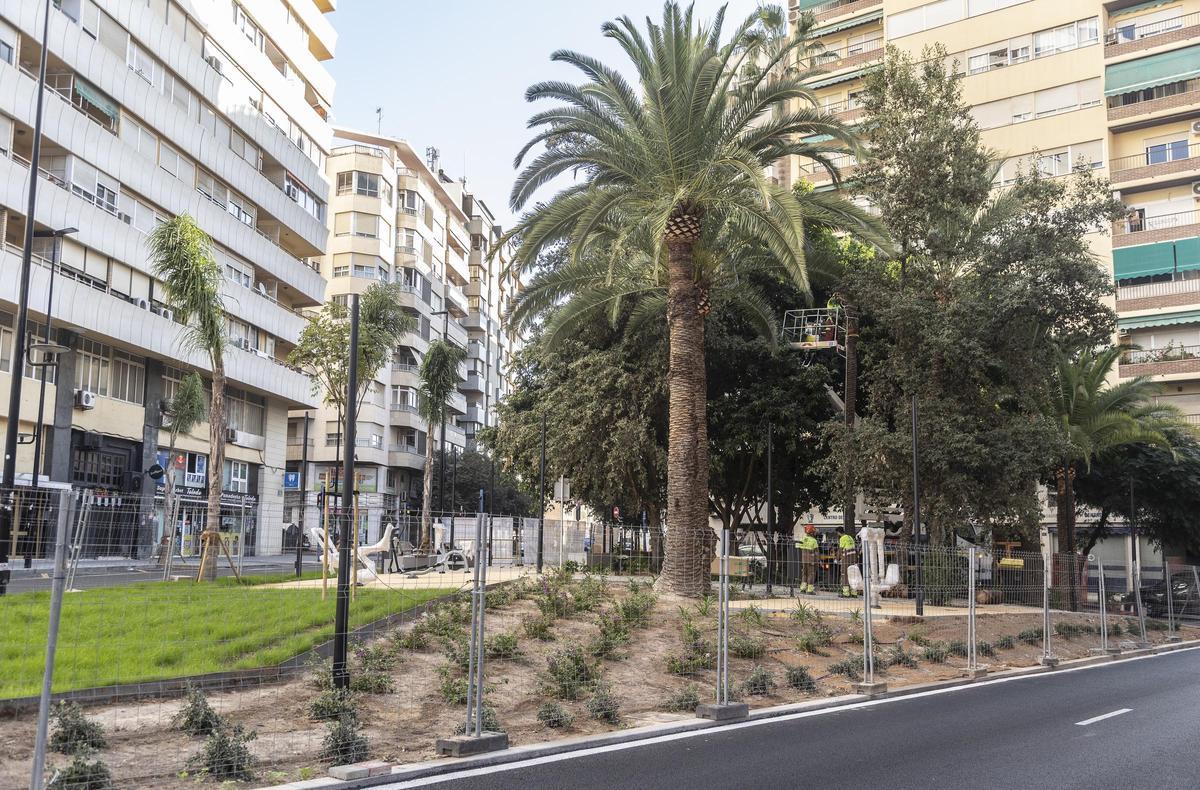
[236,476]
[95,468]
[174,163]
[6,52]
[128,378]
[1169,151]
[357,223]
[92,367]
[245,412]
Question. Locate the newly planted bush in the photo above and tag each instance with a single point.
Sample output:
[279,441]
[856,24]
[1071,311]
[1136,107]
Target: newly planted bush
[603,705]
[936,653]
[800,679]
[805,614]
[752,616]
[1030,636]
[985,649]
[759,683]
[919,639]
[900,657]
[588,594]
[376,657]
[538,627]
[489,720]
[614,633]
[196,717]
[957,647]
[372,682]
[747,647]
[344,743]
[72,731]
[82,774]
[636,607]
[849,667]
[568,672]
[501,646]
[333,704]
[453,689]
[415,638]
[554,716]
[685,699]
[225,754]
[1006,643]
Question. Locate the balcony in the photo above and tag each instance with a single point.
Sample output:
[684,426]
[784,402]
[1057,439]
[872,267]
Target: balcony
[846,111]
[815,173]
[1185,98]
[850,56]
[406,459]
[1137,38]
[839,8]
[1179,162]
[1148,230]
[1160,361]
[1171,293]
[474,383]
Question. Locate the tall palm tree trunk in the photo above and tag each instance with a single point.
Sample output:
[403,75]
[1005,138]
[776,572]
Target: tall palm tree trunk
[216,468]
[689,539]
[1065,520]
[427,493]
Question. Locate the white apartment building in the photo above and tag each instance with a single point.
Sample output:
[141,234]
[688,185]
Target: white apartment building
[397,217]
[154,108]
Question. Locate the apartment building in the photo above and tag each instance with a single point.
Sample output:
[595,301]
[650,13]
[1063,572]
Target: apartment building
[397,217]
[1114,84]
[154,108]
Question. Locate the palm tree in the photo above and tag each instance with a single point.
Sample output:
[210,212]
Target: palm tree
[439,379]
[182,259]
[185,411]
[681,162]
[1093,417]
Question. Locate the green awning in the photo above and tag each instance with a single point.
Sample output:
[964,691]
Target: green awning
[1165,319]
[1133,75]
[849,75]
[805,5]
[94,97]
[1143,261]
[824,30]
[1187,254]
[1140,7]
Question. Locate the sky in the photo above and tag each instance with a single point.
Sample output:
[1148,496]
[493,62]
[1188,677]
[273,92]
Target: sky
[452,73]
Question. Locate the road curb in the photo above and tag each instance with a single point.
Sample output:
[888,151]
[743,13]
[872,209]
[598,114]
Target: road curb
[410,771]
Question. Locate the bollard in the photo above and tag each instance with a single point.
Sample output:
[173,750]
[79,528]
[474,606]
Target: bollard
[56,596]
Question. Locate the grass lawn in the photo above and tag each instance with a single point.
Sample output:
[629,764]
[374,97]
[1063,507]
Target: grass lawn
[158,630]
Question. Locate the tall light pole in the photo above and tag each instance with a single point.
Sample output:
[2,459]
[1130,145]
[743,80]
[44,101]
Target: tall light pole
[9,478]
[341,670]
[50,350]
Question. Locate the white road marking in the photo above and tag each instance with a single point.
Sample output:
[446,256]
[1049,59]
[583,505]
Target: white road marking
[1095,719]
[401,783]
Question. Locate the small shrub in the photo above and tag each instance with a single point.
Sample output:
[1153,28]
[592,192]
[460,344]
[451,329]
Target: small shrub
[453,689]
[538,627]
[1115,629]
[344,743]
[849,667]
[491,722]
[759,683]
[458,653]
[752,616]
[449,619]
[685,699]
[856,616]
[957,647]
[800,679]
[856,637]
[320,673]
[1030,636]
[372,682]
[747,647]
[73,732]
[554,716]
[1156,625]
[985,649]
[589,594]
[196,717]
[805,614]
[501,646]
[1006,643]
[603,705]
[377,657]
[500,596]
[333,704]
[635,608]
[568,671]
[820,636]
[936,653]
[919,639]
[225,754]
[82,774]
[705,606]
[415,638]
[900,657]
[614,633]
[1066,630]
[554,602]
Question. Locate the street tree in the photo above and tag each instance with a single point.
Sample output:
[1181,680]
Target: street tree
[181,256]
[439,380]
[184,411]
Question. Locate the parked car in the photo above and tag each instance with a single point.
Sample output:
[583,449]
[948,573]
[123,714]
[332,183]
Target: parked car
[1185,596]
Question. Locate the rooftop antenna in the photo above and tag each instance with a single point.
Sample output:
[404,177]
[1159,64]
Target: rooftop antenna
[378,121]
[432,155]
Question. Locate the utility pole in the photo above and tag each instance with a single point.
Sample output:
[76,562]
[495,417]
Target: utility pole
[542,496]
[9,478]
[341,628]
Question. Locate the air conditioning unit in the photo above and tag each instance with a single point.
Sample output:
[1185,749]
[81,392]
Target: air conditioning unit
[167,313]
[215,62]
[231,435]
[140,302]
[1196,188]
[85,400]
[1195,127]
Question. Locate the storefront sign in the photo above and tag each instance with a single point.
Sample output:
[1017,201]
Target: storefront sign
[291,481]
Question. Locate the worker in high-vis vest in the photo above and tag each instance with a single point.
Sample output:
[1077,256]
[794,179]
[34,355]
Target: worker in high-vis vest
[808,560]
[849,557]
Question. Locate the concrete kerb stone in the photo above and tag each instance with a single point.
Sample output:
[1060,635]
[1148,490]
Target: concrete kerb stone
[517,754]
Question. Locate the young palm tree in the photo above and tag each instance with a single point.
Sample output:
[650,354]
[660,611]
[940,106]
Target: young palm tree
[680,160]
[1094,417]
[439,378]
[186,410]
[181,258]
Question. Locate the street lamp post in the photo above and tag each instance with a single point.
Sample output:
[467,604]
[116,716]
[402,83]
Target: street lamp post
[50,349]
[9,478]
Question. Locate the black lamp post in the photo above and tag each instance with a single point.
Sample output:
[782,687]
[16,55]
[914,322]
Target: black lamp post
[49,350]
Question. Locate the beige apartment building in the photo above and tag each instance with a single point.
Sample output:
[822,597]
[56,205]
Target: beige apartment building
[397,217]
[1115,84]
[153,108]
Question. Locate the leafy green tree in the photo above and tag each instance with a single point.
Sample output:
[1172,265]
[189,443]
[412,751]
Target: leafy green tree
[181,256]
[679,162]
[473,471]
[322,351]
[185,410]
[439,380]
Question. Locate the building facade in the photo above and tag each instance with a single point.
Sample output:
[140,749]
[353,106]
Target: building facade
[1052,83]
[155,108]
[397,217]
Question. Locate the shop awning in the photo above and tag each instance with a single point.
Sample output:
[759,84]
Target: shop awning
[1166,319]
[1168,67]
[1143,261]
[1140,7]
[94,97]
[848,76]
[1187,254]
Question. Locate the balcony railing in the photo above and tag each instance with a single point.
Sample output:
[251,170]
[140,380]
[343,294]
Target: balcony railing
[1184,94]
[365,150]
[1136,224]
[1129,33]
[404,407]
[836,7]
[1159,159]
[1169,353]
[831,57]
[405,367]
[1151,290]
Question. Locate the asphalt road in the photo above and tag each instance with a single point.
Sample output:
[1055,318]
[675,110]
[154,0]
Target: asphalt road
[1021,733]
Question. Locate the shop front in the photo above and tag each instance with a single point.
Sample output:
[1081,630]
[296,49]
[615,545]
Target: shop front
[239,504]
